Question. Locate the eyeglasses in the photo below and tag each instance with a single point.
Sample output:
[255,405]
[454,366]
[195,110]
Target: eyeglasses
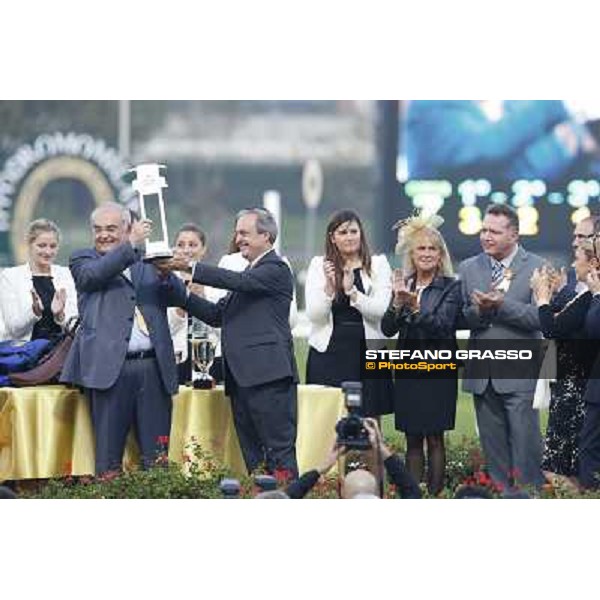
[593,241]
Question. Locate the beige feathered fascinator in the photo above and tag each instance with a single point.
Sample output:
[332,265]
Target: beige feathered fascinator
[414,225]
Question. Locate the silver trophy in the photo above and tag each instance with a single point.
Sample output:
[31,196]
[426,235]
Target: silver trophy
[202,347]
[149,184]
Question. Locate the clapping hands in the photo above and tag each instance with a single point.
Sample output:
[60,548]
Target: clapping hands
[593,281]
[59,302]
[486,302]
[402,296]
[36,305]
[543,284]
[348,280]
[329,272]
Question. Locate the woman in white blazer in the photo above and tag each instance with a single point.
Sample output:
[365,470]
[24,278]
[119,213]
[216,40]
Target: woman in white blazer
[347,293]
[38,297]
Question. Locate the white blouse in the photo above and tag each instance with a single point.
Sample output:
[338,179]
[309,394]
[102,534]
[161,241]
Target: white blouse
[372,304]
[16,307]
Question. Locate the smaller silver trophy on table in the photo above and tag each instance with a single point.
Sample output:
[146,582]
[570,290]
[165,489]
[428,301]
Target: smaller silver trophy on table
[202,347]
[149,184]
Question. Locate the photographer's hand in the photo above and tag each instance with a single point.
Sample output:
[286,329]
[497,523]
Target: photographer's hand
[376,439]
[331,458]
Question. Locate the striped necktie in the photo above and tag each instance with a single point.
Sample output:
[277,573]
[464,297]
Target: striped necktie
[497,272]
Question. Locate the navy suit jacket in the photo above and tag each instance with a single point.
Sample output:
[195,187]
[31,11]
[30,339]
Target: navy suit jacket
[566,293]
[106,306]
[592,330]
[254,317]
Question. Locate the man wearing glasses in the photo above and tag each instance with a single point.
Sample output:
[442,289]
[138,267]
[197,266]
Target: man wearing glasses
[584,230]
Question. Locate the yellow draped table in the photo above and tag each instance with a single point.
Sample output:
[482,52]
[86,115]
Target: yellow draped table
[46,431]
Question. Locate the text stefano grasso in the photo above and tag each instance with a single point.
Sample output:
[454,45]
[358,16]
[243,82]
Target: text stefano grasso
[497,354]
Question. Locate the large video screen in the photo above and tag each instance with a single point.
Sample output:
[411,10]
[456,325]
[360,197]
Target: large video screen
[540,156]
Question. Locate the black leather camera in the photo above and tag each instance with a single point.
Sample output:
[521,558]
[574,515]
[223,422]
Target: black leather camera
[350,430]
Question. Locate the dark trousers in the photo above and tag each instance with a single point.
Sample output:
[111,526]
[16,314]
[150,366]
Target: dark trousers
[136,399]
[589,447]
[509,430]
[265,418]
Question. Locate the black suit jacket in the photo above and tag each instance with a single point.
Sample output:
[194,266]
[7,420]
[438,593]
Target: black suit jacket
[438,312]
[254,318]
[592,330]
[566,294]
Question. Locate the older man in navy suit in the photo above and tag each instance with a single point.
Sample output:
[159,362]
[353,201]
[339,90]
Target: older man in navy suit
[123,353]
[258,353]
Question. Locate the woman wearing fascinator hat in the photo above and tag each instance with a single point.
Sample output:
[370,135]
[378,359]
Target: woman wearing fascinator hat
[426,302]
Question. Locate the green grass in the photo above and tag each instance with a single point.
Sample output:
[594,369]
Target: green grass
[465,412]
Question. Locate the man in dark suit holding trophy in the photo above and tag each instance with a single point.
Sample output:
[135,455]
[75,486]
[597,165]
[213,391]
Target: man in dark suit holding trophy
[258,354]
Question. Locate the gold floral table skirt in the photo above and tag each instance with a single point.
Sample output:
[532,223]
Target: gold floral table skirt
[46,431]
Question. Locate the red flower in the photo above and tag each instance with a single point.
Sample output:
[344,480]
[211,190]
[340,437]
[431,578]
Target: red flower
[482,479]
[162,459]
[282,475]
[163,440]
[108,476]
[515,474]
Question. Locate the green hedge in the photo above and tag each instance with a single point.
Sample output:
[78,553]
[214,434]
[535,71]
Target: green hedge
[202,473]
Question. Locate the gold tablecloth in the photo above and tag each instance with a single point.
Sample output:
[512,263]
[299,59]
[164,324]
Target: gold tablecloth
[46,431]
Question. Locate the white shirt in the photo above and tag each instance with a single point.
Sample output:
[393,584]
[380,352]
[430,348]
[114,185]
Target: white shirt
[259,257]
[507,260]
[16,284]
[138,340]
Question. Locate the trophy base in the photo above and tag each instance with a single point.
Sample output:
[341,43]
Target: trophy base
[204,384]
[158,256]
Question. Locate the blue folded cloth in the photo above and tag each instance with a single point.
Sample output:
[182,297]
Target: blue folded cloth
[20,356]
